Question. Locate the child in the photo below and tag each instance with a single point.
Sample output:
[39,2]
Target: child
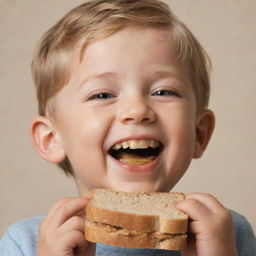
[123,89]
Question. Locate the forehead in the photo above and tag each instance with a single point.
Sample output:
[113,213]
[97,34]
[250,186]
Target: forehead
[131,40]
[130,49]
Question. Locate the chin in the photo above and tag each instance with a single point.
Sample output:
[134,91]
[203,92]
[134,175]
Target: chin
[139,187]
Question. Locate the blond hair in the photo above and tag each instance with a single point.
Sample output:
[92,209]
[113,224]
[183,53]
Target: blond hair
[98,19]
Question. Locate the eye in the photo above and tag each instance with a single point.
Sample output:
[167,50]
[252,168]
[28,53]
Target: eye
[166,92]
[102,95]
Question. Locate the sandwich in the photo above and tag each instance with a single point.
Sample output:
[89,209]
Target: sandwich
[136,220]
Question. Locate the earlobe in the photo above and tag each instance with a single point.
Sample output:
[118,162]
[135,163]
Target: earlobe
[46,141]
[204,130]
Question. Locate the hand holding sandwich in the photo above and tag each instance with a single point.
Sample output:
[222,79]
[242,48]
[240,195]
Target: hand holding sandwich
[62,231]
[211,228]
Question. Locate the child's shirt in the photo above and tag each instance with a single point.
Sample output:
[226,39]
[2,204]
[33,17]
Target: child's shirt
[20,240]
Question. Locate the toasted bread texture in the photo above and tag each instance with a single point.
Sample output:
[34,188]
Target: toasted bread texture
[136,220]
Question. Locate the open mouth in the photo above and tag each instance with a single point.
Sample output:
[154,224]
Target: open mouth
[136,152]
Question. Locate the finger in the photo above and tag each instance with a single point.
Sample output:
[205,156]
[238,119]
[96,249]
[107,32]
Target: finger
[74,223]
[65,209]
[210,201]
[194,208]
[73,239]
[57,205]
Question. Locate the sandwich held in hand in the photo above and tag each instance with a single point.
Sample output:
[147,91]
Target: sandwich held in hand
[136,220]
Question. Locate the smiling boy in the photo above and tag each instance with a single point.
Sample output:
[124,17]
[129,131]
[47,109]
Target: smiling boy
[123,90]
[119,93]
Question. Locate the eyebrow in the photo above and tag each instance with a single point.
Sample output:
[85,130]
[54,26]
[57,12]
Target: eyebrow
[98,76]
[169,74]
[157,75]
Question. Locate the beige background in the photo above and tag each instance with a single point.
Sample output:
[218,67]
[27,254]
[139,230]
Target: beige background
[226,28]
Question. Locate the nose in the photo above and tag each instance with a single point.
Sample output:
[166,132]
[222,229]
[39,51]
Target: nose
[135,111]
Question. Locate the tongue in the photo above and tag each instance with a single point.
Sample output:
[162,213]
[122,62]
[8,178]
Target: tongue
[135,159]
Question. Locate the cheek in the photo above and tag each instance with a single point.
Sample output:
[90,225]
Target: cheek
[180,119]
[85,126]
[181,132]
[186,130]
[84,137]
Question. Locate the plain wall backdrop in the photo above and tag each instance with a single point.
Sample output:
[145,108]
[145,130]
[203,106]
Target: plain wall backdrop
[30,186]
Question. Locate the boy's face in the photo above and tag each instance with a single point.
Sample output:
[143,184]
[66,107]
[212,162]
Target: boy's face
[128,87]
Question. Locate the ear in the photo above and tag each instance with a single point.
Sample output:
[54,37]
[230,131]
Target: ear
[46,140]
[204,129]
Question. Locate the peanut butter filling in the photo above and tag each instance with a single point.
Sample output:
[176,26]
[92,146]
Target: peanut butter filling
[123,231]
[135,159]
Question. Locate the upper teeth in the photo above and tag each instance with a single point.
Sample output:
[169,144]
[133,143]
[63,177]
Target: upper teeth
[137,144]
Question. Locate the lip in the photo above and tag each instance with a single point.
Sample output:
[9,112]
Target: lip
[149,167]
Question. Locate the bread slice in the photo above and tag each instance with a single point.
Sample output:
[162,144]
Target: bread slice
[135,220]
